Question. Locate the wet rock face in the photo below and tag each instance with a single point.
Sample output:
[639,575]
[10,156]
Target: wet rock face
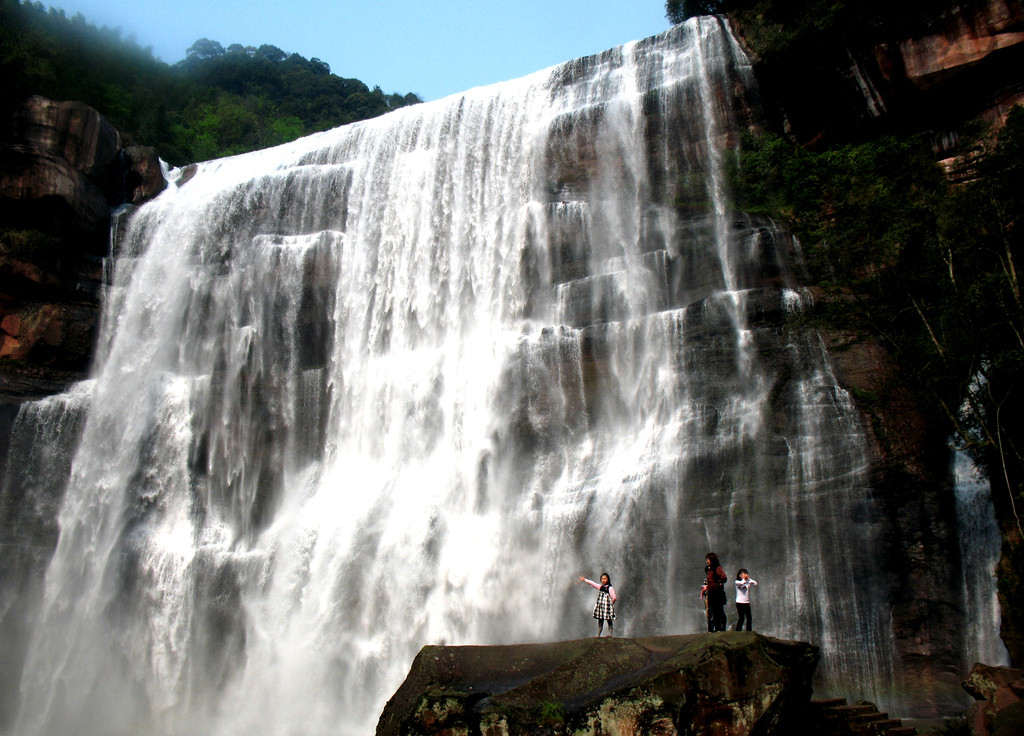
[141,176]
[730,683]
[912,475]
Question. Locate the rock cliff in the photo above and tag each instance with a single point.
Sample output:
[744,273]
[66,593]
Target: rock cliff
[866,83]
[63,168]
[726,684]
[963,67]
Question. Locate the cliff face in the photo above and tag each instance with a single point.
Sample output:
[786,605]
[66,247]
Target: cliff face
[964,68]
[63,167]
[861,85]
[968,69]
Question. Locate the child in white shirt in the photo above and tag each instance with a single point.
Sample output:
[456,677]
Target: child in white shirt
[743,583]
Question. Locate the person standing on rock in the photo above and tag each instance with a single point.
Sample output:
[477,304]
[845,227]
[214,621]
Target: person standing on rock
[743,583]
[714,590]
[604,610]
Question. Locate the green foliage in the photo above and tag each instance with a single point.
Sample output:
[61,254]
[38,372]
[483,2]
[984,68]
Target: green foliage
[679,10]
[773,28]
[29,245]
[551,712]
[204,48]
[929,267]
[981,257]
[217,102]
[864,208]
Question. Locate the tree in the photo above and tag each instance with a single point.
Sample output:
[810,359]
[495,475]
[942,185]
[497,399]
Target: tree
[204,48]
[271,52]
[679,10]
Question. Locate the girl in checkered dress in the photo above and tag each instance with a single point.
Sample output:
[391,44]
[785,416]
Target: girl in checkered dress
[604,610]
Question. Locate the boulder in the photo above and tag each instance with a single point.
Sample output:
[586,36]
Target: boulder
[142,177]
[999,710]
[727,684]
[984,680]
[42,191]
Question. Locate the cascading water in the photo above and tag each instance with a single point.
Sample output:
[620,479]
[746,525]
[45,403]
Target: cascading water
[401,382]
[979,548]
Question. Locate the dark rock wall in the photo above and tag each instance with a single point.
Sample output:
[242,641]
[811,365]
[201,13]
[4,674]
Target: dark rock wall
[63,168]
[934,83]
[966,68]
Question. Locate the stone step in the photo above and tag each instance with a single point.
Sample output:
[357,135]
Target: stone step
[836,717]
[890,724]
[847,711]
[828,702]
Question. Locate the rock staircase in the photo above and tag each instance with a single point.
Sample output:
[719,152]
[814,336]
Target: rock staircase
[834,717]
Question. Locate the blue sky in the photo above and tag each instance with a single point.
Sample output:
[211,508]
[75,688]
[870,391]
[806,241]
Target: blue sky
[431,48]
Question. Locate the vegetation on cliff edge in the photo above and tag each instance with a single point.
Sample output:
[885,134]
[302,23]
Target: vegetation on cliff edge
[772,27]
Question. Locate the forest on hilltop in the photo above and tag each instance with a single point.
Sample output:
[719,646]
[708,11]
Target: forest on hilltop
[216,102]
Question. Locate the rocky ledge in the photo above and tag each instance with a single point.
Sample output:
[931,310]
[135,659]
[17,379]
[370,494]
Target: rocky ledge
[999,701]
[727,684]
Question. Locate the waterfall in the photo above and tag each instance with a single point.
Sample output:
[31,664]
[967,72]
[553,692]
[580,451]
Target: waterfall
[979,542]
[402,382]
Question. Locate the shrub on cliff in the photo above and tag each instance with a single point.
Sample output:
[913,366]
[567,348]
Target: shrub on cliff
[679,10]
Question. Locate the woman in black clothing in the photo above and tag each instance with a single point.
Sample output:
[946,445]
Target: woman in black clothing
[714,591]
